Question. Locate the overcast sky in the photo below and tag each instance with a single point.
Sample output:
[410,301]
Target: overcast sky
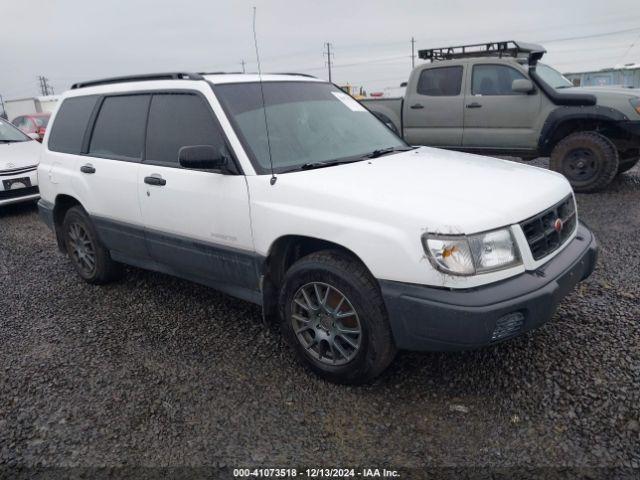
[72,40]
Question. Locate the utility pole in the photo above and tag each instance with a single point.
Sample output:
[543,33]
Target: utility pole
[4,110]
[243,63]
[44,86]
[328,54]
[413,52]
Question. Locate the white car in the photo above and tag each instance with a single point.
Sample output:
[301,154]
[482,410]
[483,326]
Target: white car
[19,155]
[286,192]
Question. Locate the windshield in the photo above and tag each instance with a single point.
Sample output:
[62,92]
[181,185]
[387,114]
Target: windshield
[41,121]
[308,122]
[9,133]
[552,77]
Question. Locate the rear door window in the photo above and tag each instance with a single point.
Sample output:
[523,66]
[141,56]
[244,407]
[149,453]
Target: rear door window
[177,120]
[119,130]
[440,82]
[70,124]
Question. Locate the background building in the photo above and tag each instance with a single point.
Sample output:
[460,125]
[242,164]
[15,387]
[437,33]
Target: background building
[626,76]
[25,106]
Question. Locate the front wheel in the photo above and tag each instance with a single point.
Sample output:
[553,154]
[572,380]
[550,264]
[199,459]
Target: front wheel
[334,318]
[589,160]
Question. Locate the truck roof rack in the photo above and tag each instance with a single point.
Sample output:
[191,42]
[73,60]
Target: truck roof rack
[509,48]
[139,78]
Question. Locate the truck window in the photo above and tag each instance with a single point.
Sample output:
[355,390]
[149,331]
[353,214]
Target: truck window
[120,127]
[177,120]
[70,124]
[440,82]
[493,80]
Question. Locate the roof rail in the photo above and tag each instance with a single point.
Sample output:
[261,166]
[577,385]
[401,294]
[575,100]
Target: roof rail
[139,78]
[267,73]
[510,48]
[295,74]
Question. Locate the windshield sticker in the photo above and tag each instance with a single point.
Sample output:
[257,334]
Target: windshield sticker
[352,104]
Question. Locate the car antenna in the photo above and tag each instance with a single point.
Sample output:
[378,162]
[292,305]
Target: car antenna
[264,107]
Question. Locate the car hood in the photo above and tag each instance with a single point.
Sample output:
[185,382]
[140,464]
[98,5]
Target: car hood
[19,154]
[629,92]
[426,188]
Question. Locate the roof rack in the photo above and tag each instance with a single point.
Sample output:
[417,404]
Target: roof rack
[491,49]
[139,78]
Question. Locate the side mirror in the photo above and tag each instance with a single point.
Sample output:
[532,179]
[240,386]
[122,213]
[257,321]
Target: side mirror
[33,136]
[204,157]
[522,85]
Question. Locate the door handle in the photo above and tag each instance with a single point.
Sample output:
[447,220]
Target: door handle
[474,105]
[155,180]
[417,106]
[88,168]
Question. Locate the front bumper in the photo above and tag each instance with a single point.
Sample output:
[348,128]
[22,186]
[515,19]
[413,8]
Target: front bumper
[8,179]
[427,318]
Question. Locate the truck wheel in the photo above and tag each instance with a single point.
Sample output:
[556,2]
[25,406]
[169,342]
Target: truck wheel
[89,257]
[333,316]
[588,160]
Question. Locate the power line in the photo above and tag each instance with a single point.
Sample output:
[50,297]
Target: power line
[593,35]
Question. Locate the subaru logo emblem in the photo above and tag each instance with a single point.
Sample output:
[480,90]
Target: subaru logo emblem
[10,165]
[557,225]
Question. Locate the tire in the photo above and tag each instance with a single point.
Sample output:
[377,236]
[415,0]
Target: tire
[339,357]
[588,160]
[627,165]
[89,257]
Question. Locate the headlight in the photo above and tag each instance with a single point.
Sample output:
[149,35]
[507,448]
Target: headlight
[471,254]
[635,103]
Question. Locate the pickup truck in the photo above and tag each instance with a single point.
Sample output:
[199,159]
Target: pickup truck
[497,99]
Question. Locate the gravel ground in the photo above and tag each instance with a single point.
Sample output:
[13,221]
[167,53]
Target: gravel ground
[157,371]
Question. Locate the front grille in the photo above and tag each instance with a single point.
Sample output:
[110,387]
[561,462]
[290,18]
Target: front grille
[18,192]
[542,236]
[17,171]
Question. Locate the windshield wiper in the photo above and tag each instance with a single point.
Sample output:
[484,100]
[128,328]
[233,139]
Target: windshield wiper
[313,165]
[386,151]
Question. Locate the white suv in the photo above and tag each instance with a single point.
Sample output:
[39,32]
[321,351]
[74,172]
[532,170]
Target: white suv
[289,194]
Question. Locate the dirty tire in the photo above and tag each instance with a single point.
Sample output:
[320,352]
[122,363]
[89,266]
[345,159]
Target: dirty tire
[348,277]
[78,224]
[589,160]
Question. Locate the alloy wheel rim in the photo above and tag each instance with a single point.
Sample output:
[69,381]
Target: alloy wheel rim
[82,250]
[326,324]
[581,165]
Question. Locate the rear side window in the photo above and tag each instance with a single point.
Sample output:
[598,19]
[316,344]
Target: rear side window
[119,129]
[494,80]
[177,120]
[440,82]
[70,124]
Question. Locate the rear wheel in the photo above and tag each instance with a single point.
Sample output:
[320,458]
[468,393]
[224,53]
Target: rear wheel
[334,318]
[89,257]
[589,160]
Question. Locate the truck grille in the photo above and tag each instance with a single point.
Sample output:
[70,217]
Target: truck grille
[541,232]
